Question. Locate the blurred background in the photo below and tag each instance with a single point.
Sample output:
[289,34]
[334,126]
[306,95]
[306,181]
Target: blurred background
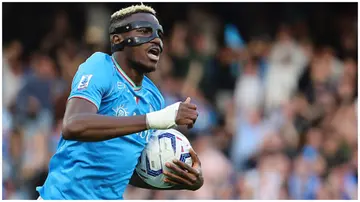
[275,84]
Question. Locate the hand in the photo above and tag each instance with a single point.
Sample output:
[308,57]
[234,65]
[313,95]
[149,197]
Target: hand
[184,176]
[187,114]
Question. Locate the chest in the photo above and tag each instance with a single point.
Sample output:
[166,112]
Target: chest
[123,101]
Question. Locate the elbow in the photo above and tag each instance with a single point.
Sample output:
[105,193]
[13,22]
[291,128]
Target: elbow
[71,129]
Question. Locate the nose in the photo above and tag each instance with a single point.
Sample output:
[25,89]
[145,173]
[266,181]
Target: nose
[158,42]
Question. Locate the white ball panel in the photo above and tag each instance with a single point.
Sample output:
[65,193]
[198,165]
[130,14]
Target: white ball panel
[160,150]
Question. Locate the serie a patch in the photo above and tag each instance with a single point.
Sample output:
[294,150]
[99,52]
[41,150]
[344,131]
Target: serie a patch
[84,81]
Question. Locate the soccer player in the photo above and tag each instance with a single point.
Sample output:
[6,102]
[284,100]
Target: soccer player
[111,112]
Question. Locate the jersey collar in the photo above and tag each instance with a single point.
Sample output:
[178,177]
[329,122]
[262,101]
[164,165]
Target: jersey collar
[123,74]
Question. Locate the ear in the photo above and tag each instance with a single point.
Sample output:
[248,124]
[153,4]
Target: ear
[116,38]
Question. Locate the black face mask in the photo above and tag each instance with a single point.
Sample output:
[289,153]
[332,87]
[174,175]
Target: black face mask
[154,30]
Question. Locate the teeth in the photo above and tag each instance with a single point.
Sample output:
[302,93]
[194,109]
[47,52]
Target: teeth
[153,56]
[154,51]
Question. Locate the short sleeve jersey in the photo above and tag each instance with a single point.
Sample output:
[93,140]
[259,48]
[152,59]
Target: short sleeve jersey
[101,170]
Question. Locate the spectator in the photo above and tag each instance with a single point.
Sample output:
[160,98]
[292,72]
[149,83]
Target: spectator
[278,116]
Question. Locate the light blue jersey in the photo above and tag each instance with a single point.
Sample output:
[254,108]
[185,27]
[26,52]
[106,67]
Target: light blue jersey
[101,170]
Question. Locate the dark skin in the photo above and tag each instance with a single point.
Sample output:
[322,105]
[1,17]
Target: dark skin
[82,123]
[137,55]
[183,176]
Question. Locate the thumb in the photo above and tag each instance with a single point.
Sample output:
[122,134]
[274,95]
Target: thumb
[188,99]
[194,158]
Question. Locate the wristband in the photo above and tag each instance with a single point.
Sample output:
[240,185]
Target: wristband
[163,119]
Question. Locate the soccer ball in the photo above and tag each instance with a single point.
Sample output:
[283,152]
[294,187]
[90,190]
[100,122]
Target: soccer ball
[164,146]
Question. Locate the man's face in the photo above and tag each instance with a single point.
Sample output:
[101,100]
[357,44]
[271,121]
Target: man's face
[145,56]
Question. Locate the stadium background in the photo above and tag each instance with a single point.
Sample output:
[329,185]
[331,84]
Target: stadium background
[276,86]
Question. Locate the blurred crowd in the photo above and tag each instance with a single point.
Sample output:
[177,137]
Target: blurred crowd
[278,111]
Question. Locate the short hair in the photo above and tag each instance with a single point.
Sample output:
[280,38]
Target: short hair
[121,14]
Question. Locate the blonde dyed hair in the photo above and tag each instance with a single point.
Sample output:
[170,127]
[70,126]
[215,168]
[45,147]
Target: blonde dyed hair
[126,12]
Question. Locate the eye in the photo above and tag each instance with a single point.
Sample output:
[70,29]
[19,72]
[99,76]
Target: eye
[144,30]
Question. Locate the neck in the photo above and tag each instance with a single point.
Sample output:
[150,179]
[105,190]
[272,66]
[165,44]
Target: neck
[135,75]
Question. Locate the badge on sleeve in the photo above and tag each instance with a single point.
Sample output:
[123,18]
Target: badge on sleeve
[84,81]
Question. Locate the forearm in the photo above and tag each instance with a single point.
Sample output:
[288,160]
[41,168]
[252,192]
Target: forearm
[138,182]
[94,127]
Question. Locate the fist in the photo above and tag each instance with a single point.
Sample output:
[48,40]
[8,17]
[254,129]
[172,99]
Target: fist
[186,114]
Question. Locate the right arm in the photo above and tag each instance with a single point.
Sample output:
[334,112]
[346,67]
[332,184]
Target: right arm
[82,123]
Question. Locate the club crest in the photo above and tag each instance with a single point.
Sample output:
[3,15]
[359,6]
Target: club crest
[121,85]
[120,111]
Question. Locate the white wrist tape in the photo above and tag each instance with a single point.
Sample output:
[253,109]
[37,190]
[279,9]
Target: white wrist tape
[163,119]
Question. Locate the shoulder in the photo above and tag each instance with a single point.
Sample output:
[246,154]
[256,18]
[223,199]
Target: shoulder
[98,57]
[151,88]
[99,63]
[97,68]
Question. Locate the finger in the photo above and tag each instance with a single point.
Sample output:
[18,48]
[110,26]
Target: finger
[187,122]
[192,117]
[192,114]
[196,117]
[195,159]
[188,112]
[185,166]
[185,109]
[195,169]
[190,126]
[188,99]
[177,179]
[167,180]
[180,173]
[189,106]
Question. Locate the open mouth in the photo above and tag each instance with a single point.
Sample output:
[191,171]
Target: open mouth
[154,53]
